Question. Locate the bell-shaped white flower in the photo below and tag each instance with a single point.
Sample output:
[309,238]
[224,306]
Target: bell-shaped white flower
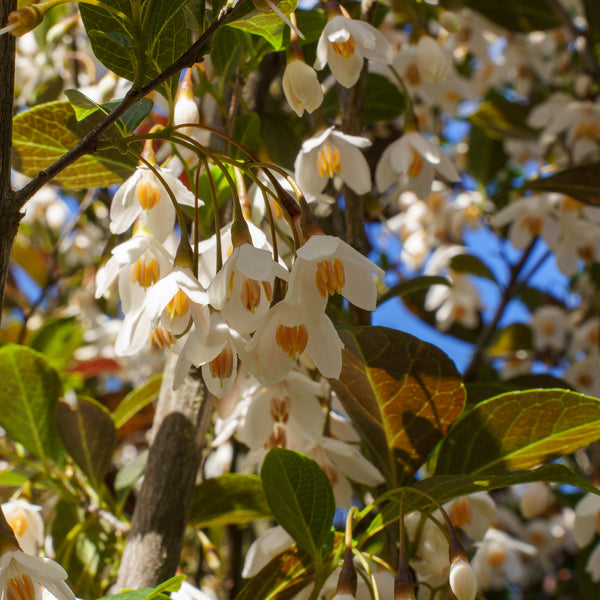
[331,153]
[21,577]
[433,61]
[343,45]
[243,289]
[144,194]
[325,265]
[301,87]
[412,161]
[27,524]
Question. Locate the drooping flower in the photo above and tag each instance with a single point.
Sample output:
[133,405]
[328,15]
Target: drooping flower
[301,87]
[27,524]
[343,45]
[412,161]
[331,153]
[21,577]
[433,61]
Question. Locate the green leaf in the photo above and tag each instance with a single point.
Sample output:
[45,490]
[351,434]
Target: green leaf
[516,336]
[160,591]
[301,499]
[500,119]
[581,182]
[267,24]
[401,393]
[136,400]
[57,340]
[246,131]
[128,475]
[89,435]
[232,498]
[514,15]
[383,100]
[519,430]
[311,23]
[485,156]
[415,284]
[227,52]
[467,263]
[447,487]
[29,393]
[43,134]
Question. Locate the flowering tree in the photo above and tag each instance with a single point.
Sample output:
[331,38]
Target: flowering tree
[201,206]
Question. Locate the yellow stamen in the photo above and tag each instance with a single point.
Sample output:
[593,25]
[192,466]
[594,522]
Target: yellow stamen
[144,273]
[330,277]
[280,410]
[178,305]
[20,588]
[250,294]
[221,367]
[162,338]
[268,290]
[412,75]
[19,523]
[148,193]
[328,162]
[292,340]
[587,252]
[345,49]
[416,166]
[532,224]
[461,513]
[496,558]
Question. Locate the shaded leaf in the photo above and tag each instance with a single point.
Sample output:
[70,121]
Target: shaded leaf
[519,430]
[415,284]
[581,182]
[128,475]
[447,487]
[486,155]
[231,498]
[401,393]
[246,131]
[499,119]
[44,133]
[467,263]
[136,400]
[29,393]
[89,435]
[301,499]
[516,336]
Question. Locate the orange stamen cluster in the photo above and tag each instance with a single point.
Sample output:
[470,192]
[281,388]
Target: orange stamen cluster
[416,166]
[280,410]
[178,305]
[292,340]
[221,367]
[145,273]
[328,162]
[345,49]
[532,224]
[330,277]
[461,513]
[148,193]
[250,294]
[161,338]
[20,588]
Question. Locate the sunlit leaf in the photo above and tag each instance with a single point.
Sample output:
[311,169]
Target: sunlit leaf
[57,340]
[581,182]
[301,499]
[229,499]
[401,393]
[160,591]
[29,393]
[89,435]
[519,430]
[136,400]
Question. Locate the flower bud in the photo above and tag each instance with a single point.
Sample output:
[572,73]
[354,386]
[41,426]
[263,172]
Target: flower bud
[301,87]
[186,110]
[462,580]
[535,499]
[432,60]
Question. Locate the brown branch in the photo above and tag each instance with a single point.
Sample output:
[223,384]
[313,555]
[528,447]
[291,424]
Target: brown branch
[162,507]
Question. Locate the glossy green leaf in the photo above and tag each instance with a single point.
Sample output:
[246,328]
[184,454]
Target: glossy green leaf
[301,499]
[160,591]
[415,284]
[519,430]
[447,487]
[136,400]
[401,393]
[57,340]
[89,435]
[581,182]
[43,134]
[232,498]
[29,393]
[267,24]
[467,263]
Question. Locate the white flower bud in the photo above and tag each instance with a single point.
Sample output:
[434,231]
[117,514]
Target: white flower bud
[301,87]
[535,499]
[432,60]
[462,580]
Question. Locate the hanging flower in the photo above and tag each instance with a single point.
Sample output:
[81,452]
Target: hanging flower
[301,87]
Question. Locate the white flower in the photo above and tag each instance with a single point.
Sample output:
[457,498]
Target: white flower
[269,543]
[243,289]
[325,265]
[584,375]
[343,45]
[473,514]
[536,498]
[434,62]
[550,328]
[301,87]
[459,303]
[144,194]
[331,153]
[26,522]
[22,575]
[412,161]
[462,580]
